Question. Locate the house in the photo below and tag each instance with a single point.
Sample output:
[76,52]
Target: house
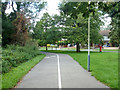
[106,40]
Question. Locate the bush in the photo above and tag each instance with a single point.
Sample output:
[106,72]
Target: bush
[6,66]
[12,56]
[0,66]
[41,42]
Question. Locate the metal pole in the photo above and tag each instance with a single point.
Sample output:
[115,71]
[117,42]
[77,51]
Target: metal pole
[89,44]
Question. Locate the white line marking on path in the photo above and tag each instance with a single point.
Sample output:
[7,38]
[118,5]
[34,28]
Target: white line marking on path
[59,75]
[50,57]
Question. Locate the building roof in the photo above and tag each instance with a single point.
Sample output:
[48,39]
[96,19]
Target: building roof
[104,32]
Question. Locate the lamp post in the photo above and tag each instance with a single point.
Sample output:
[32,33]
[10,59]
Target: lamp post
[89,44]
[89,41]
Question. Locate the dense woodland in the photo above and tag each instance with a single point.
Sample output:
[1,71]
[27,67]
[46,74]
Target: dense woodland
[21,34]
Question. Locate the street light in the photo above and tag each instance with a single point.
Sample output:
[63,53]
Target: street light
[89,41]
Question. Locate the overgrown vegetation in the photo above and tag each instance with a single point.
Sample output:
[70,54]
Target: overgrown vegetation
[12,56]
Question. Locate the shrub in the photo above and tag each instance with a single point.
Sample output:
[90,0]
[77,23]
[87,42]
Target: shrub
[0,66]
[12,56]
[6,66]
[41,42]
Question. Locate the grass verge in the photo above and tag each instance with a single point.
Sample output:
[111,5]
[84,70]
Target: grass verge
[10,79]
[107,49]
[0,81]
[104,66]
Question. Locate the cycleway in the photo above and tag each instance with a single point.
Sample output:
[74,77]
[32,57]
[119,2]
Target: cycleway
[59,71]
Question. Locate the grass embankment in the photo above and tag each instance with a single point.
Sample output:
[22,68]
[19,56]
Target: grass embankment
[10,79]
[104,66]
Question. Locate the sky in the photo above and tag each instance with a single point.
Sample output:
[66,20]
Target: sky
[51,8]
[9,8]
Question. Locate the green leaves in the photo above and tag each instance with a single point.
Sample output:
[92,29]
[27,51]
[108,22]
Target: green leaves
[47,29]
[13,56]
[29,9]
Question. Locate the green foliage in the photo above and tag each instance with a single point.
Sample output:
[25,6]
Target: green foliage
[95,24]
[41,42]
[115,36]
[74,8]
[112,8]
[115,32]
[12,56]
[7,26]
[63,43]
[77,14]
[46,31]
[0,39]
[9,30]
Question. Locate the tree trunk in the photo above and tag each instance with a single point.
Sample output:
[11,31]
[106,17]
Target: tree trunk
[77,47]
[93,46]
[119,47]
[46,47]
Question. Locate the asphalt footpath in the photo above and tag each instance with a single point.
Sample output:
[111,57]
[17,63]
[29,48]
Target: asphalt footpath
[59,71]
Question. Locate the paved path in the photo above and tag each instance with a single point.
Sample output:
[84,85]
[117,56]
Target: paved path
[59,71]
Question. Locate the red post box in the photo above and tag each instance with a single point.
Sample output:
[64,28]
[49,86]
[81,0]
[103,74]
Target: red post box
[100,48]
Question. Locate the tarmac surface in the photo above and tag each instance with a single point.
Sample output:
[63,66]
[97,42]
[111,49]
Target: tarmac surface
[59,71]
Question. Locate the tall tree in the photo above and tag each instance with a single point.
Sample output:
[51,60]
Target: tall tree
[114,13]
[46,30]
[0,26]
[21,24]
[7,25]
[79,12]
[112,8]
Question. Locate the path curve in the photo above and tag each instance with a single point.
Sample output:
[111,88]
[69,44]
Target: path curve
[59,71]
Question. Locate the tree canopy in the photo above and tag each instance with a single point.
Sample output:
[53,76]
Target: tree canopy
[78,13]
[46,30]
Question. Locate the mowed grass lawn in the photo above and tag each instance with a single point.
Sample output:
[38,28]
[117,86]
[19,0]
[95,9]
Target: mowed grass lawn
[104,65]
